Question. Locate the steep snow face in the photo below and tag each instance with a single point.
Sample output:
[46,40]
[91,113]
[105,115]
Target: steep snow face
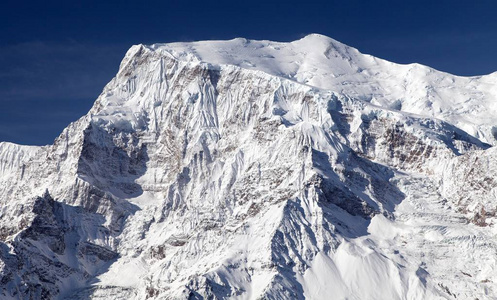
[250,170]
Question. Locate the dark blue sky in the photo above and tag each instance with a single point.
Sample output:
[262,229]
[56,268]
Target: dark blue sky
[56,56]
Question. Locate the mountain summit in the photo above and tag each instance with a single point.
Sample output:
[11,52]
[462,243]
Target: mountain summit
[259,170]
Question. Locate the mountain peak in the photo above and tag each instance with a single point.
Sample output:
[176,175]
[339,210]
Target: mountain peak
[324,63]
[255,169]
[316,38]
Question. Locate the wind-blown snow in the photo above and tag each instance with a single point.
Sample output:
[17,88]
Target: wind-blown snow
[259,170]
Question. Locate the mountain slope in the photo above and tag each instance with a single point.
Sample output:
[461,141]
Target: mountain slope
[257,170]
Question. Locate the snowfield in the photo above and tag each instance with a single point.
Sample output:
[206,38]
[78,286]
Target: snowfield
[259,170]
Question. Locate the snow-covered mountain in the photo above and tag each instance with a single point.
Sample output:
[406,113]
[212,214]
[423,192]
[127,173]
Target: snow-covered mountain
[259,170]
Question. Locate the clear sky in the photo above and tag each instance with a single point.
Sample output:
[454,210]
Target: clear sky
[56,56]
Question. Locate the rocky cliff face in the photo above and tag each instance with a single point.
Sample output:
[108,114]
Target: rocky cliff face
[257,170]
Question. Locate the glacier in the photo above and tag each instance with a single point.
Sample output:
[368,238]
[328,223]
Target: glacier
[247,169]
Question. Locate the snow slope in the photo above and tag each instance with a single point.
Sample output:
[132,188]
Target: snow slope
[259,170]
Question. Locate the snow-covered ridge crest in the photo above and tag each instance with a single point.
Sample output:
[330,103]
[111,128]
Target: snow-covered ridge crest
[319,61]
[214,170]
